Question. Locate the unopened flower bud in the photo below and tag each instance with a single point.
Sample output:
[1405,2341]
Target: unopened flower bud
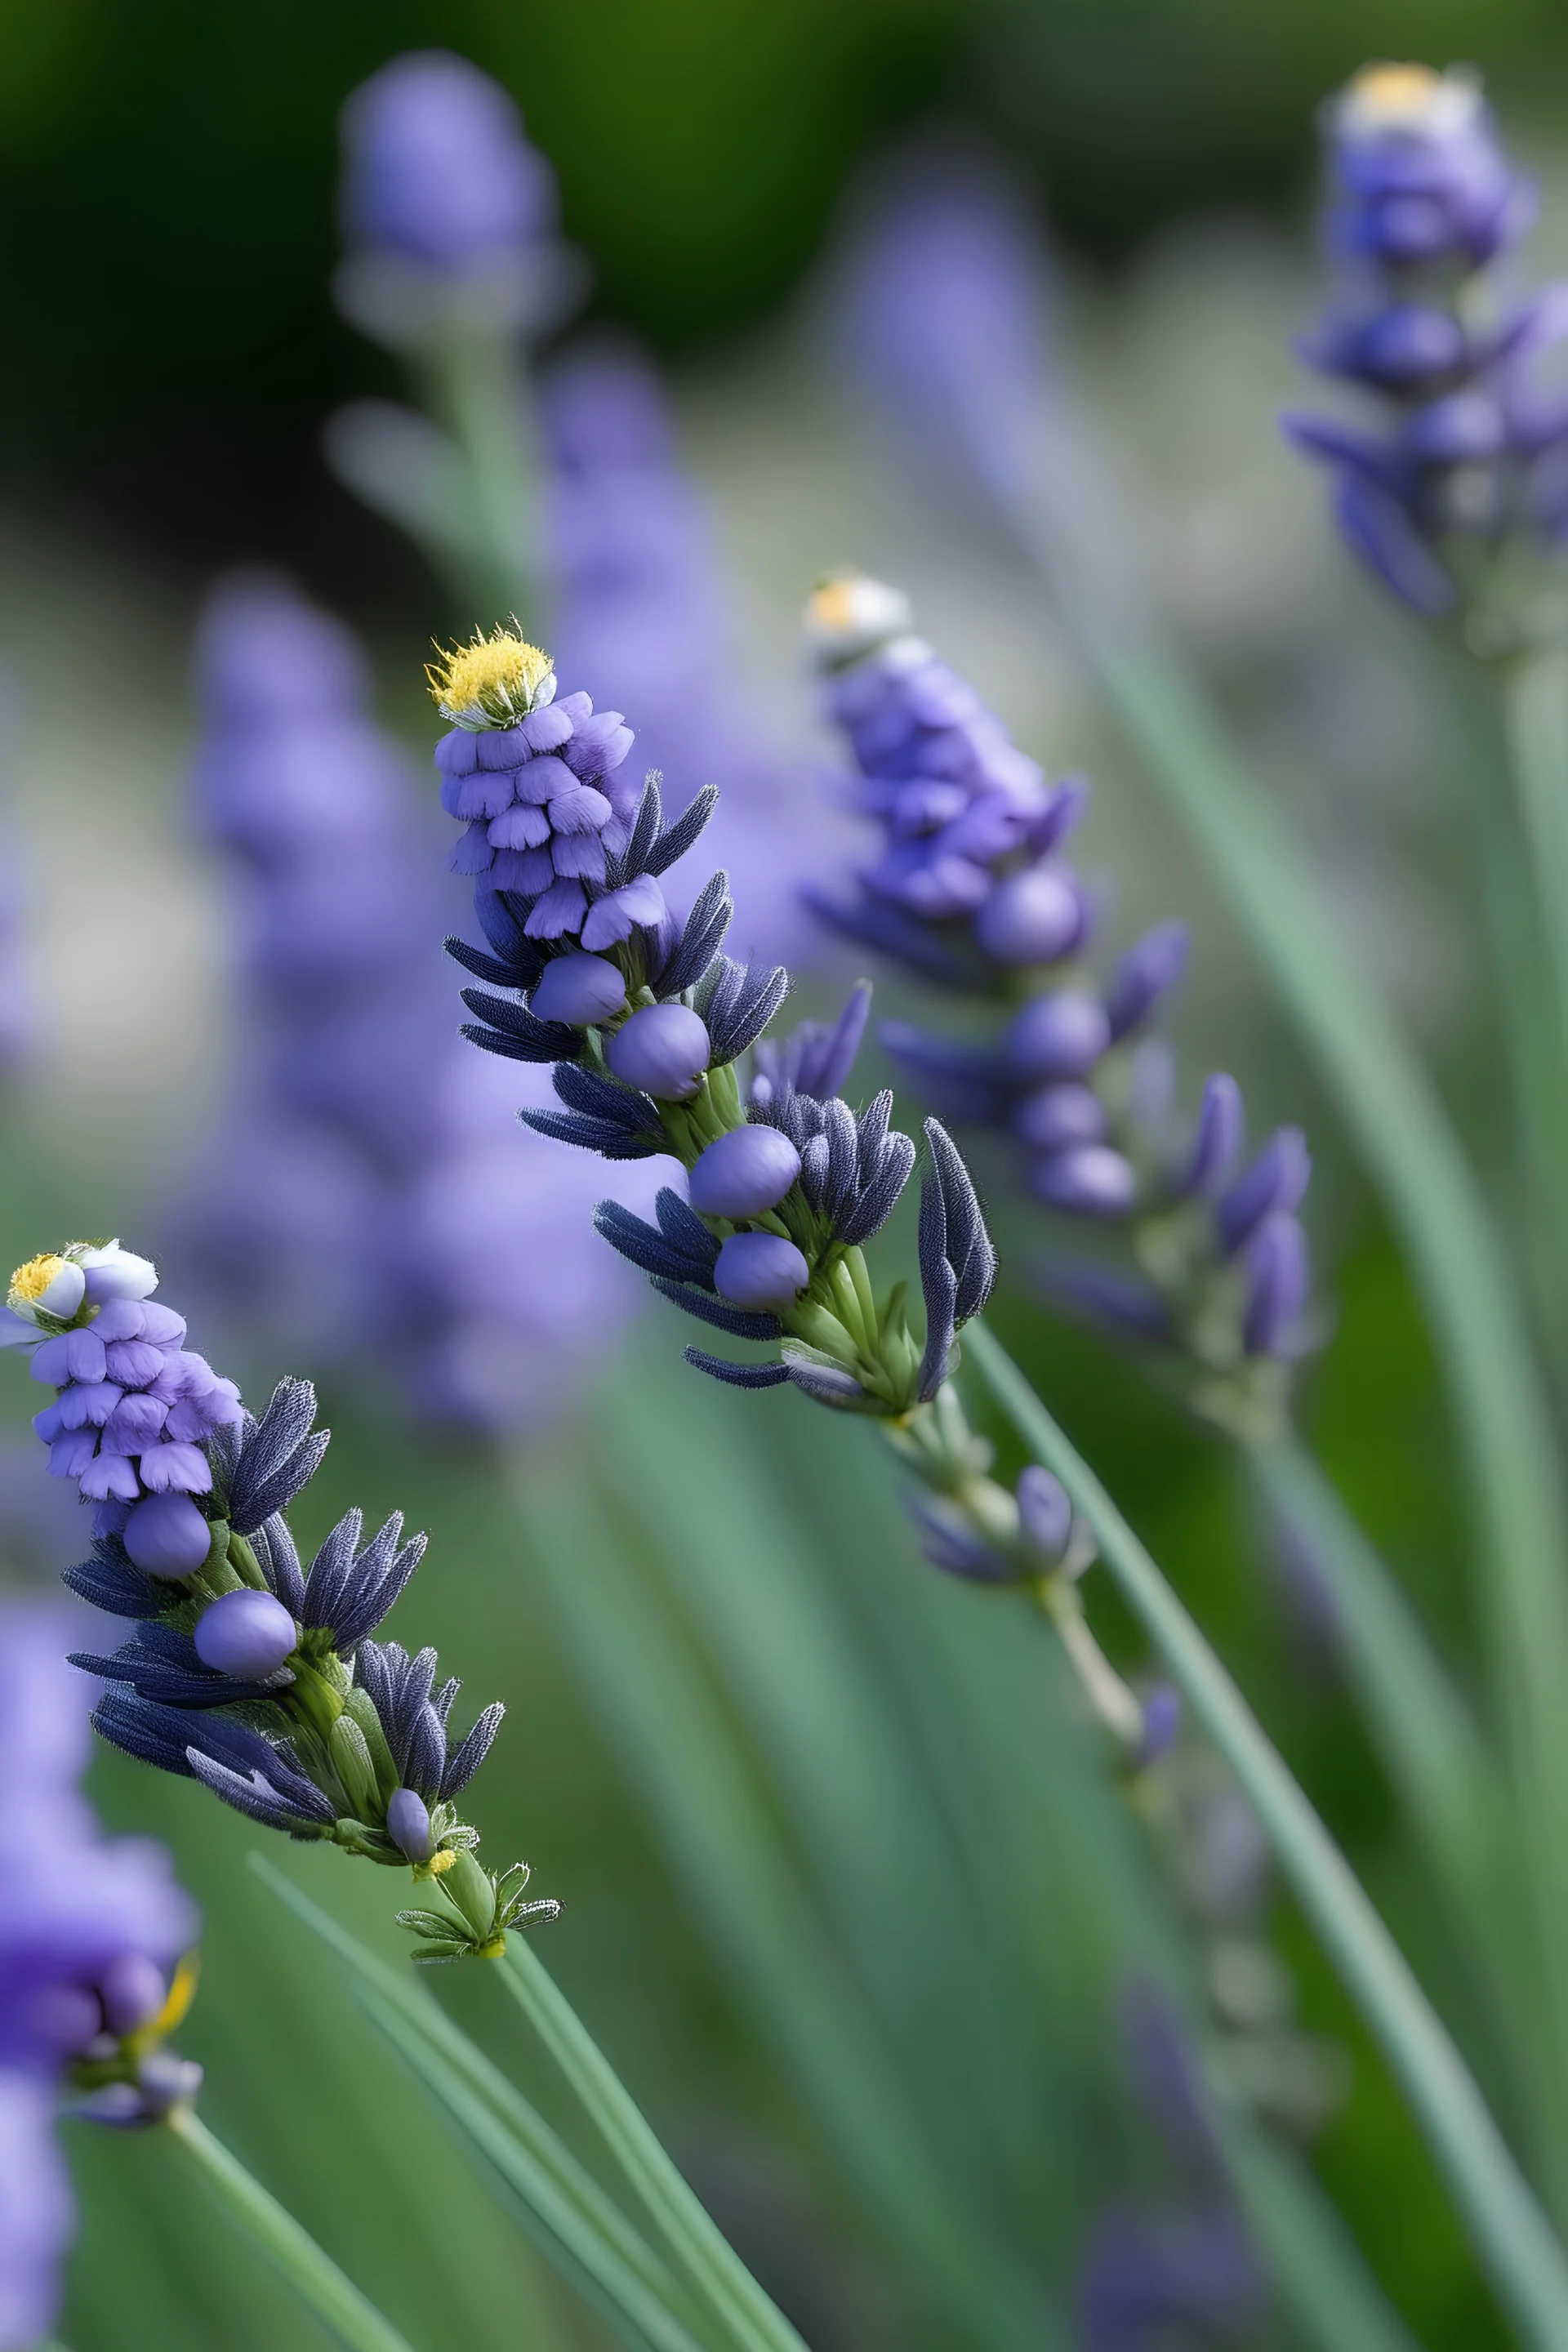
[1045,1513]
[1058,1036]
[247,1634]
[760,1270]
[1031,918]
[167,1535]
[1089,1181]
[663,1050]
[1057,1117]
[408,1823]
[579,990]
[745,1173]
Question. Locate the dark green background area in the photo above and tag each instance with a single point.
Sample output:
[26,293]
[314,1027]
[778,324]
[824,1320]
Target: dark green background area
[167,177]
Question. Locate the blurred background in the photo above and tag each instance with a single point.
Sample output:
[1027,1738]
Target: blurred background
[848,1897]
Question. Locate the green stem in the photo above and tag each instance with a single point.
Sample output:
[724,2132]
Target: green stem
[1423,1732]
[1511,2233]
[710,2260]
[314,2276]
[482,395]
[1507,1442]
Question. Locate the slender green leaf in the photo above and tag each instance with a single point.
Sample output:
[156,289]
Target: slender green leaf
[1511,2234]
[1319,2272]
[315,2277]
[1423,1732]
[578,2226]
[752,2318]
[1508,1443]
[679,1753]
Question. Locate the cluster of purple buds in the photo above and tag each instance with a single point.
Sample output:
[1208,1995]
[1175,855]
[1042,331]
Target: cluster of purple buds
[89,1935]
[644,1019]
[132,1405]
[1074,1077]
[1468,464]
[245,1669]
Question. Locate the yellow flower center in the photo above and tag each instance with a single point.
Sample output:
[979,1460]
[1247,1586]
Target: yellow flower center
[1392,93]
[490,682]
[833,605]
[29,1282]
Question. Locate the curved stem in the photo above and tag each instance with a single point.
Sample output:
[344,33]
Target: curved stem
[1511,2233]
[313,2276]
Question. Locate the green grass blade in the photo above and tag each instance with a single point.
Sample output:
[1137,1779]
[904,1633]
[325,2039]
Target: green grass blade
[1319,2273]
[611,2286]
[752,2320]
[581,2228]
[1507,1440]
[1423,1732]
[315,2277]
[1511,2233]
[679,1752]
[770,1615]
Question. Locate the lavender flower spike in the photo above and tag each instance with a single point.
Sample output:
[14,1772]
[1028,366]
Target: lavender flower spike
[242,1671]
[972,890]
[1463,478]
[449,215]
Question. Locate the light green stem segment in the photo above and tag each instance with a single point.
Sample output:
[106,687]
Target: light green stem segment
[483,395]
[710,2263]
[314,2276]
[1511,2235]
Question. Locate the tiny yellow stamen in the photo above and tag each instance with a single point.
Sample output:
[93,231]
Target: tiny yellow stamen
[491,681]
[29,1282]
[441,1861]
[182,1992]
[492,1950]
[1407,98]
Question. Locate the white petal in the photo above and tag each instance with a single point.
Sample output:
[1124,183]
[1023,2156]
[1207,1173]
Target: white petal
[63,1294]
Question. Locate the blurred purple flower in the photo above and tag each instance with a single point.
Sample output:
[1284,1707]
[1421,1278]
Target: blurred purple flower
[356,1189]
[89,1931]
[1472,448]
[970,889]
[944,308]
[437,167]
[641,607]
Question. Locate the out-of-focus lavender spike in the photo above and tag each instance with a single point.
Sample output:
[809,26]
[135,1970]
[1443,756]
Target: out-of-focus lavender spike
[90,1931]
[419,1238]
[642,609]
[945,313]
[1441,499]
